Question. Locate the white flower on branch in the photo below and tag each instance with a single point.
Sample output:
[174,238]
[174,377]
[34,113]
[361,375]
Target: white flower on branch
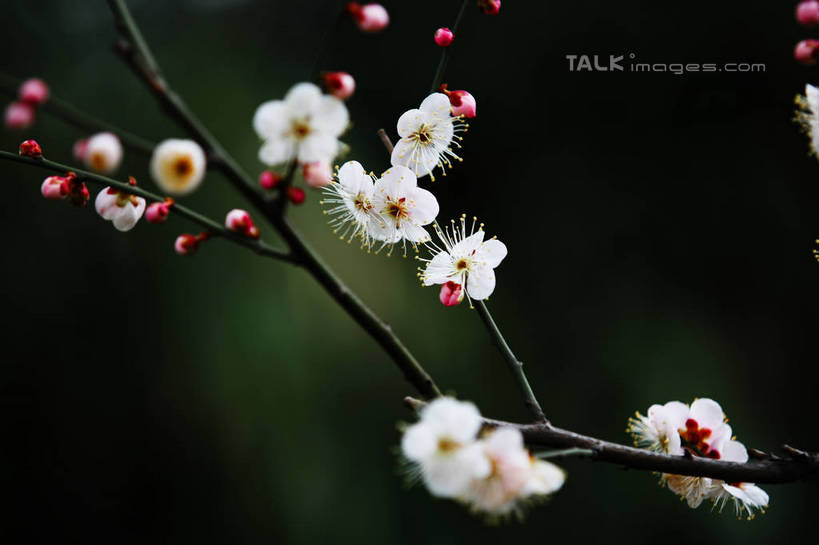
[465,259]
[304,126]
[351,203]
[103,153]
[178,166]
[120,208]
[427,136]
[443,446]
[807,115]
[515,476]
[403,209]
[701,431]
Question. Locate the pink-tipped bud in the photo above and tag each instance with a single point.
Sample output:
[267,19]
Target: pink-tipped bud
[54,188]
[30,148]
[317,174]
[339,84]
[269,179]
[33,91]
[451,294]
[239,221]
[489,7]
[462,102]
[77,191]
[296,195]
[806,51]
[157,212]
[444,37]
[807,13]
[186,244]
[369,17]
[19,115]
[80,149]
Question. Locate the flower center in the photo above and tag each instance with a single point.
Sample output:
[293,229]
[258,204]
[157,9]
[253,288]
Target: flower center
[98,161]
[398,209]
[362,203]
[300,128]
[447,445]
[693,437]
[183,166]
[422,135]
[462,264]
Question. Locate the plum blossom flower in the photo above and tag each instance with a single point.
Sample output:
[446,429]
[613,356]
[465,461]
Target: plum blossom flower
[443,446]
[119,207]
[428,134]
[103,152]
[465,258]
[178,166]
[746,497]
[304,126]
[19,115]
[351,203]
[33,91]
[403,207]
[807,115]
[369,17]
[515,475]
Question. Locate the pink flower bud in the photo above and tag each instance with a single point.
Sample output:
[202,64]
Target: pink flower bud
[339,84]
[807,12]
[78,194]
[369,17]
[451,294]
[186,244]
[296,195]
[239,221]
[157,212]
[806,51]
[80,149]
[55,188]
[463,103]
[33,91]
[444,37]
[19,115]
[269,179]
[30,148]
[489,7]
[318,174]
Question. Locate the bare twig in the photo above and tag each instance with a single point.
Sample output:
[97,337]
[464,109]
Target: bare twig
[385,139]
[447,51]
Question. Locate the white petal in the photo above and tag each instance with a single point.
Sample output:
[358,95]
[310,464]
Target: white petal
[545,478]
[437,105]
[439,269]
[270,119]
[302,99]
[734,451]
[425,206]
[409,122]
[480,283]
[276,151]
[460,420]
[330,116]
[470,244]
[354,179]
[419,442]
[318,146]
[414,233]
[812,94]
[420,159]
[105,203]
[707,413]
[491,252]
[396,182]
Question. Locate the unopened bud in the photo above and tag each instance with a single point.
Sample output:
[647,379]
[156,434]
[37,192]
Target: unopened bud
[269,179]
[317,174]
[33,91]
[157,212]
[80,149]
[369,17]
[55,188]
[462,102]
[240,221]
[339,84]
[296,195]
[451,294]
[806,51]
[807,13]
[30,148]
[77,191]
[186,244]
[489,7]
[444,37]
[19,115]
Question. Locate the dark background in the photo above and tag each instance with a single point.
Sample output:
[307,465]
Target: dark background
[659,228]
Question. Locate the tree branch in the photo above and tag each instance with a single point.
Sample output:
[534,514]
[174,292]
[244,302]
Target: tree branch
[215,229]
[446,53]
[771,469]
[137,55]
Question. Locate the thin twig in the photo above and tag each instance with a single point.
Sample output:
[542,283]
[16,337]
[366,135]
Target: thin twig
[135,54]
[447,51]
[515,365]
[77,118]
[385,139]
[215,229]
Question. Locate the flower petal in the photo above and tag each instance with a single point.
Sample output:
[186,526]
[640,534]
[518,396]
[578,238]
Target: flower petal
[302,99]
[436,105]
[425,206]
[270,119]
[480,283]
[409,122]
[331,116]
[318,146]
[491,252]
[276,151]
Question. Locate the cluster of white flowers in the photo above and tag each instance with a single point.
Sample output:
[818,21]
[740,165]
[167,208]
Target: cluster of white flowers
[490,472]
[698,430]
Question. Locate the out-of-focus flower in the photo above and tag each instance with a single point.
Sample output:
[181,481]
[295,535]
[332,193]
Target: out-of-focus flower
[444,37]
[103,152]
[369,17]
[178,166]
[489,7]
[157,212]
[30,148]
[187,244]
[317,174]
[443,446]
[807,115]
[806,52]
[427,136]
[296,195]
[80,149]
[403,207]
[339,84]
[19,115]
[269,179]
[807,12]
[465,258]
[120,208]
[304,126]
[239,221]
[34,91]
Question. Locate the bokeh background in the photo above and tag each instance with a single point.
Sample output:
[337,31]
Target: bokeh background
[659,227]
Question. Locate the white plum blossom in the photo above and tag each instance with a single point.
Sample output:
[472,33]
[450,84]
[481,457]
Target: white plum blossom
[350,197]
[120,208]
[443,446]
[178,166]
[403,209]
[428,134]
[807,114]
[515,476]
[465,259]
[699,430]
[103,152]
[304,126]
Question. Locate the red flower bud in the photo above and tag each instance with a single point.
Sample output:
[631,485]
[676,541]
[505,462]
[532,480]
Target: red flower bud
[451,294]
[33,91]
[269,179]
[30,148]
[444,37]
[296,195]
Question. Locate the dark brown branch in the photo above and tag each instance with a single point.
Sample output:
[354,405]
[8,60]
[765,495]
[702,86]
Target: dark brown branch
[798,466]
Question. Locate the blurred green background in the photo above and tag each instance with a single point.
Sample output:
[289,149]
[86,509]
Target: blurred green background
[659,228]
